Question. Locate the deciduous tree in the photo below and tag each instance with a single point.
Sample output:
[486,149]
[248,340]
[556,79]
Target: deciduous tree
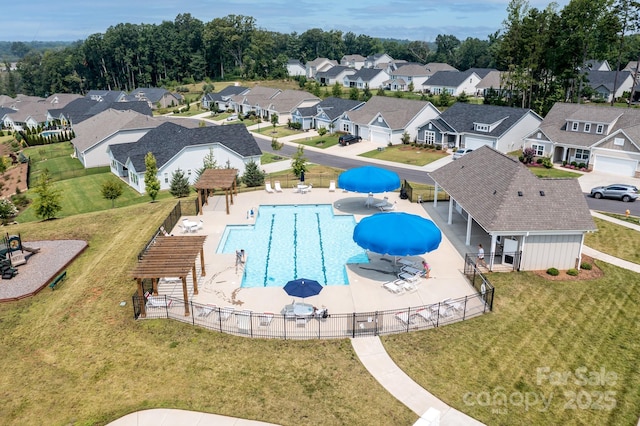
[151,181]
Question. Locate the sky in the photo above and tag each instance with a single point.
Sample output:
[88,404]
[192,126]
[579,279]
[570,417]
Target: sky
[422,20]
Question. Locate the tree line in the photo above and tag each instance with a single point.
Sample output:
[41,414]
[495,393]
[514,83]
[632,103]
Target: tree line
[545,52]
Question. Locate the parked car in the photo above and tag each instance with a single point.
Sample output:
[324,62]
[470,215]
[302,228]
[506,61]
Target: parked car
[232,117]
[460,152]
[617,191]
[346,140]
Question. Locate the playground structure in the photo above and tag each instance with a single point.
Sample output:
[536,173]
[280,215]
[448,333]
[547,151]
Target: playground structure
[12,254]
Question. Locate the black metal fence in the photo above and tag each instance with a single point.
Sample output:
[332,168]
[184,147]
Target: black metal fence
[167,225]
[269,325]
[478,280]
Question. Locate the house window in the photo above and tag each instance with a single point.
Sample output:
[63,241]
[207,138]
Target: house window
[582,154]
[166,178]
[587,127]
[189,172]
[574,126]
[430,138]
[482,127]
[599,129]
[345,127]
[618,141]
[539,149]
[539,135]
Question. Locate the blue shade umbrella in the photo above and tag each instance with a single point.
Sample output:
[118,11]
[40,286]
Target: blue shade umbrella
[369,179]
[397,234]
[303,287]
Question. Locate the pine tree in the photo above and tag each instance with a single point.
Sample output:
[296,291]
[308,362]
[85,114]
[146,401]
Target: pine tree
[179,184]
[253,176]
[47,205]
[151,181]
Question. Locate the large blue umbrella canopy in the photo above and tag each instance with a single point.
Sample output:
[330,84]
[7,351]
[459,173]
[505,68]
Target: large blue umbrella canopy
[368,179]
[397,234]
[302,287]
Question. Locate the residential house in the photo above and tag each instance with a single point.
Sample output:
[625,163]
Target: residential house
[452,82]
[59,100]
[366,77]
[318,65]
[407,76]
[434,67]
[602,83]
[334,75]
[156,97]
[221,100]
[27,115]
[595,65]
[471,126]
[252,100]
[325,114]
[6,101]
[295,68]
[109,96]
[492,83]
[95,134]
[529,223]
[353,61]
[285,103]
[603,138]
[384,120]
[176,147]
[373,61]
[81,109]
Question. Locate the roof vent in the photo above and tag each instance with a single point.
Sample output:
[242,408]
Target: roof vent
[495,192]
[519,193]
[542,193]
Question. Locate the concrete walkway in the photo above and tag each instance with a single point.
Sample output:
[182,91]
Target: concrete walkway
[369,350]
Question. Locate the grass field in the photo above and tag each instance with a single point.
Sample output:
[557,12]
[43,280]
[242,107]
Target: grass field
[406,154]
[75,356]
[615,240]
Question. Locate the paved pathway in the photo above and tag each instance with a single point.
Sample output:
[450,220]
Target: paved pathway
[370,351]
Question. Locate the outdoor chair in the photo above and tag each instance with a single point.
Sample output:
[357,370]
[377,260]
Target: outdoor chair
[200,225]
[332,186]
[388,207]
[158,302]
[267,187]
[243,319]
[455,306]
[393,286]
[265,319]
[409,286]
[301,321]
[413,270]
[410,278]
[405,318]
[224,314]
[277,186]
[426,314]
[205,311]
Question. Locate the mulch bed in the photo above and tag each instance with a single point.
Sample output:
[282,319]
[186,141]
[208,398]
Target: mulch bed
[583,274]
[14,177]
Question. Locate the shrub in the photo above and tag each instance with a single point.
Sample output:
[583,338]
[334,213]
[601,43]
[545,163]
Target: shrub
[546,162]
[574,164]
[322,131]
[528,154]
[564,162]
[553,272]
[521,158]
[586,266]
[438,147]
[582,166]
[573,272]
[539,161]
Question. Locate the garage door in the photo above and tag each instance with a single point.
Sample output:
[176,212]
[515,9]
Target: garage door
[379,137]
[475,143]
[615,166]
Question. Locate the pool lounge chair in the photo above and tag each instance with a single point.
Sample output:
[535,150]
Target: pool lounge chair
[413,271]
[205,311]
[265,319]
[243,319]
[426,314]
[410,278]
[332,186]
[388,207]
[267,187]
[224,314]
[277,186]
[405,318]
[394,287]
[158,302]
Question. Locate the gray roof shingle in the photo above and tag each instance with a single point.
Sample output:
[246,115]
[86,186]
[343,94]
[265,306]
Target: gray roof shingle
[486,183]
[168,139]
[462,116]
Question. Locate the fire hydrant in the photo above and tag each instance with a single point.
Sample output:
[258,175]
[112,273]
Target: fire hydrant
[627,213]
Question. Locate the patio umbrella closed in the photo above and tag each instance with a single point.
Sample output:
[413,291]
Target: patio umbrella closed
[368,179]
[397,234]
[303,287]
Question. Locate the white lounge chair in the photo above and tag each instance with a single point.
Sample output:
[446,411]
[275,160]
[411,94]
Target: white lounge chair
[158,302]
[405,318]
[410,278]
[243,319]
[267,187]
[224,314]
[393,286]
[205,311]
[301,321]
[332,186]
[388,207]
[265,319]
[455,306]
[200,225]
[426,314]
[277,186]
[413,270]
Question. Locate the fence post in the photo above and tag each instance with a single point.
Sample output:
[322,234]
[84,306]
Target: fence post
[353,325]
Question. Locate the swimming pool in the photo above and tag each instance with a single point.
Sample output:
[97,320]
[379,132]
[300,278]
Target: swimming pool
[295,241]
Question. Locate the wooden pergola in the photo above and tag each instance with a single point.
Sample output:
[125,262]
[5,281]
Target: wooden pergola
[172,256]
[212,179]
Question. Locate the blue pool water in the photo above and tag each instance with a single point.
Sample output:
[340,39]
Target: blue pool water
[47,133]
[290,242]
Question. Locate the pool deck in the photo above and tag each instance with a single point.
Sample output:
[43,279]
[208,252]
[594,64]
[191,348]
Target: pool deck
[221,285]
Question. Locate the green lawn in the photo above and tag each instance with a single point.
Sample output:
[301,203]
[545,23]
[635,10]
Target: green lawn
[82,195]
[537,325]
[280,131]
[268,158]
[615,240]
[543,172]
[325,141]
[406,154]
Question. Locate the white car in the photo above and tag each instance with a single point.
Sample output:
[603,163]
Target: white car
[460,152]
[232,118]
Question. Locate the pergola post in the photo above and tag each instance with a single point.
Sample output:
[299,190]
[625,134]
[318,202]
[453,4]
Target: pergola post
[143,307]
[226,199]
[200,202]
[185,295]
[204,273]
[195,279]
[154,286]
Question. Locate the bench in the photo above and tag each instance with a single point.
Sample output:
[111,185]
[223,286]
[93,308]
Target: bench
[58,280]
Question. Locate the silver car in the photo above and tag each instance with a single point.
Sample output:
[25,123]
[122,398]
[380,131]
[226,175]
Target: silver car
[617,191]
[460,152]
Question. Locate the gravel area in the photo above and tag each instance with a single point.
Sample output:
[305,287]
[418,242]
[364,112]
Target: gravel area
[40,268]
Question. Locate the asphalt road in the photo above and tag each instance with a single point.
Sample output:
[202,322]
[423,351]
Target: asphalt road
[610,206]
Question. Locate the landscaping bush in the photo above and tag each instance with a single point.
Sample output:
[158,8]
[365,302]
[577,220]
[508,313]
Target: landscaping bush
[546,162]
[582,166]
[438,147]
[574,164]
[539,161]
[553,272]
[564,162]
[586,266]
[573,272]
[521,158]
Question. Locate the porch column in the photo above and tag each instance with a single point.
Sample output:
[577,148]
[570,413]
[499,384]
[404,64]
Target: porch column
[469,223]
[185,296]
[435,195]
[494,239]
[450,213]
